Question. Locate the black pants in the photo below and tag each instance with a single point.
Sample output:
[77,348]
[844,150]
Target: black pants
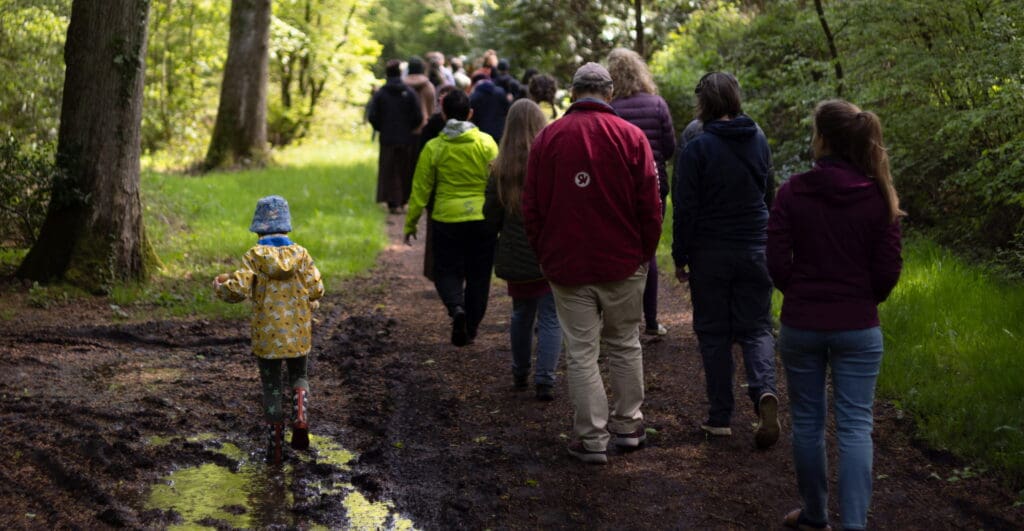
[463,258]
[732,295]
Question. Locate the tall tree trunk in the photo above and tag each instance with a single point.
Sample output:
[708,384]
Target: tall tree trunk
[639,8]
[831,47]
[240,132]
[93,235]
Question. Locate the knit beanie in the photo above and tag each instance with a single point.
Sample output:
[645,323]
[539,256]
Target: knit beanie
[272,216]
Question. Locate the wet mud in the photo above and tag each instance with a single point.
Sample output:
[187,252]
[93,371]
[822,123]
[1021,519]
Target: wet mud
[154,425]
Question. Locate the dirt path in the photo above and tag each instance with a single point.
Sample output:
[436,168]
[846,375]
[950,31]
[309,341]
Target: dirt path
[462,449]
[106,424]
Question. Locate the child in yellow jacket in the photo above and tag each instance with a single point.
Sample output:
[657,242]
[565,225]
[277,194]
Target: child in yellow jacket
[279,277]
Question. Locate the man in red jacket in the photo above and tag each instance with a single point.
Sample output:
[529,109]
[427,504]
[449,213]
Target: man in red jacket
[592,213]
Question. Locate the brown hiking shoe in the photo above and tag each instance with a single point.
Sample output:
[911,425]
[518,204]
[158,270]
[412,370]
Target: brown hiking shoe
[630,440]
[593,457]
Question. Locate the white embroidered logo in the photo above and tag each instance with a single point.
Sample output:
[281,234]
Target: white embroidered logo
[582,179]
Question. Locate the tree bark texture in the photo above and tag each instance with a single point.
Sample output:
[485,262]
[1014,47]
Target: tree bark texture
[240,132]
[93,234]
[639,7]
[832,50]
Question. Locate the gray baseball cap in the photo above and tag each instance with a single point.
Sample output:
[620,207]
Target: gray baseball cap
[591,74]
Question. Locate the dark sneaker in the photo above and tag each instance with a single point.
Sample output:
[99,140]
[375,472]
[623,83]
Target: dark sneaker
[545,393]
[460,337]
[519,382]
[768,426]
[630,440]
[577,450]
[714,429]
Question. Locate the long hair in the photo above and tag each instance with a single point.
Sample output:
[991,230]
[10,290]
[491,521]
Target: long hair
[843,130]
[629,73]
[524,121]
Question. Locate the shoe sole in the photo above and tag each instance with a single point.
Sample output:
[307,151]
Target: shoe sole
[625,441]
[717,431]
[460,337]
[590,458]
[769,428]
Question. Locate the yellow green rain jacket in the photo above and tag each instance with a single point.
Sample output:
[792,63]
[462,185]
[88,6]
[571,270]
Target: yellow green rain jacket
[280,278]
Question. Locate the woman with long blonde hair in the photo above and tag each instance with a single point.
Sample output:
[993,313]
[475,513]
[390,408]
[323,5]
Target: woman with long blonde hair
[515,261]
[834,252]
[635,98]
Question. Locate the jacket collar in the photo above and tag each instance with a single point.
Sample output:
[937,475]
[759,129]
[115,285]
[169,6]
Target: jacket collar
[591,104]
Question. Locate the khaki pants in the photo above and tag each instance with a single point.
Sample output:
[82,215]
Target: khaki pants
[595,317]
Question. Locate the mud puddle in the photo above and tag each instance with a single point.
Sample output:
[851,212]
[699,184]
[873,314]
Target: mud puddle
[235,488]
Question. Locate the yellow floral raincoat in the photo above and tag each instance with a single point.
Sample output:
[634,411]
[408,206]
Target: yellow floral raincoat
[283,284]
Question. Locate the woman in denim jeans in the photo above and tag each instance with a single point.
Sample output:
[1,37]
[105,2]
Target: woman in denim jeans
[532,300]
[834,252]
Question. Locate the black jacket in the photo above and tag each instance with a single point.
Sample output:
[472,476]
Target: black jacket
[395,112]
[514,259]
[490,105]
[722,189]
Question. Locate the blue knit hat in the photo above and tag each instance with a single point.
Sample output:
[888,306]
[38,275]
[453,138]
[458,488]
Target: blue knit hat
[272,216]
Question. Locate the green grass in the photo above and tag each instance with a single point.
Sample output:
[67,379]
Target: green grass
[954,356]
[199,226]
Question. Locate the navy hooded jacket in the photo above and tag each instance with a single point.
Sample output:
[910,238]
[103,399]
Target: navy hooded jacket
[490,105]
[722,189]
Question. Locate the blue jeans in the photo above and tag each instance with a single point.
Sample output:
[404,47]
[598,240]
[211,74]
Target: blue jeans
[526,312]
[855,357]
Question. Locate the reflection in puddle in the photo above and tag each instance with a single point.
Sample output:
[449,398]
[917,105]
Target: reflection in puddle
[257,496]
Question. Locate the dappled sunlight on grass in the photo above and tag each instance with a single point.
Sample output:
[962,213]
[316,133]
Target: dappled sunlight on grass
[199,225]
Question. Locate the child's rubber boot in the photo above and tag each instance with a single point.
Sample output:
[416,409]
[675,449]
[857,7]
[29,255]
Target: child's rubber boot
[300,426]
[275,443]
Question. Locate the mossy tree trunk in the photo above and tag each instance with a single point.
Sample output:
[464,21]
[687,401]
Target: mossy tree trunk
[240,132]
[93,235]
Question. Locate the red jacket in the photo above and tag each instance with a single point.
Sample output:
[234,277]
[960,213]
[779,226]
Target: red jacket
[590,202]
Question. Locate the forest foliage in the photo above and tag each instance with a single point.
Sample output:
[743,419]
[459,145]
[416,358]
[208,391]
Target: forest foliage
[946,77]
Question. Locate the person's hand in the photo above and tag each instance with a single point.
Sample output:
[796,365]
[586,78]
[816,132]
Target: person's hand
[682,275]
[410,236]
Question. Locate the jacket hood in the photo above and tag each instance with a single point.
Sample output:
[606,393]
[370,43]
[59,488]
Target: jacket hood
[739,128]
[416,80]
[457,128]
[836,181]
[487,86]
[394,84]
[278,263]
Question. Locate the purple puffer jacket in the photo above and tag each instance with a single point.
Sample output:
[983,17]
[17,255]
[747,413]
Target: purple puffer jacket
[832,250]
[650,113]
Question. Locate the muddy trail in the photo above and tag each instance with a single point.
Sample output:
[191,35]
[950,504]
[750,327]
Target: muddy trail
[156,425]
